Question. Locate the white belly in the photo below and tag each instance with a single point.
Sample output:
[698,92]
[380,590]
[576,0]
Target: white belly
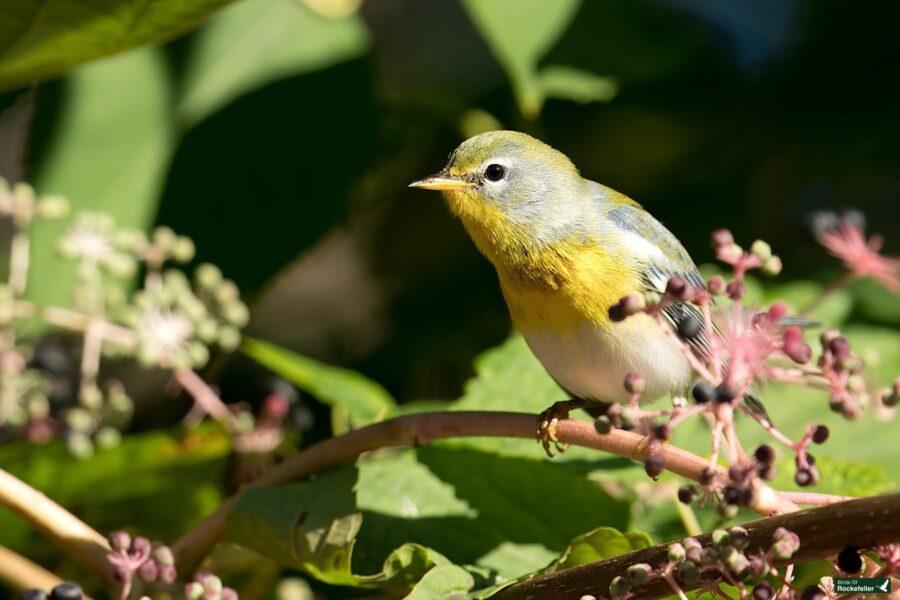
[592,362]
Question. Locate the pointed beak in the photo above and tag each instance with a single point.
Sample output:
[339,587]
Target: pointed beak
[442,182]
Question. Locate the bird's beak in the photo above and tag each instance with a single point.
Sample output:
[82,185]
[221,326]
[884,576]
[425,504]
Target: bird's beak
[442,182]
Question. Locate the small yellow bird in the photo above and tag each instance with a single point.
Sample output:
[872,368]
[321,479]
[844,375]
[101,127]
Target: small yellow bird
[566,249]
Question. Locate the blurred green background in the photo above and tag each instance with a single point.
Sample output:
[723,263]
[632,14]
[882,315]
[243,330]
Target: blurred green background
[281,134]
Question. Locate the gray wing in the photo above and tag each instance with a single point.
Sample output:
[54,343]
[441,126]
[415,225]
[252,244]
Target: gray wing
[657,270]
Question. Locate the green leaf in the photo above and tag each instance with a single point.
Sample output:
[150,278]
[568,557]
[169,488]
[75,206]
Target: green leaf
[520,32]
[876,302]
[124,486]
[310,525]
[257,41]
[568,83]
[364,400]
[441,582]
[313,526]
[43,38]
[108,152]
[510,515]
[838,476]
[601,543]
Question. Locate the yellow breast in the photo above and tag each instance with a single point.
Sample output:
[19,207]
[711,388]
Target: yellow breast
[557,287]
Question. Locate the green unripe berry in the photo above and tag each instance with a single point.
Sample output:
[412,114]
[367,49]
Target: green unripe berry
[183,251]
[619,587]
[761,250]
[676,552]
[639,573]
[688,573]
[720,537]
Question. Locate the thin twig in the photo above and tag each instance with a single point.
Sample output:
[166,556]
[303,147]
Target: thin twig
[206,398]
[424,428]
[81,542]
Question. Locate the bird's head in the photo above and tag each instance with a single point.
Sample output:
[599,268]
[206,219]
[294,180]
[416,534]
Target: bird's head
[507,179]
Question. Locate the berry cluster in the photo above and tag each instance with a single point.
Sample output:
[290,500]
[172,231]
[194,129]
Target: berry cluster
[138,557]
[168,322]
[207,586]
[733,350]
[725,560]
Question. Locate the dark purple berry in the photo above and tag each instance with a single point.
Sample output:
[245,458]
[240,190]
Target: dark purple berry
[653,466]
[763,591]
[735,289]
[766,472]
[849,560]
[804,477]
[688,327]
[706,476]
[703,392]
[66,591]
[687,493]
[840,348]
[33,594]
[812,593]
[737,473]
[662,432]
[731,495]
[764,454]
[724,394]
[676,287]
[820,434]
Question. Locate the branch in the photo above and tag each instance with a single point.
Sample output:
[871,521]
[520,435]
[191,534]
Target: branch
[82,543]
[21,574]
[861,523]
[421,429]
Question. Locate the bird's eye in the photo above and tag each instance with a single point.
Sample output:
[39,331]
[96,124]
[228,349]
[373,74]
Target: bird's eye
[495,172]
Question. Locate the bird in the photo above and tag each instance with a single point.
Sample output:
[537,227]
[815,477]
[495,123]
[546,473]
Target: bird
[566,249]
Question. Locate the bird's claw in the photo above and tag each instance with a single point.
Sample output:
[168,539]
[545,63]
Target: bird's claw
[546,431]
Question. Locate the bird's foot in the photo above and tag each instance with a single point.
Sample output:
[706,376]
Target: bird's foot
[547,423]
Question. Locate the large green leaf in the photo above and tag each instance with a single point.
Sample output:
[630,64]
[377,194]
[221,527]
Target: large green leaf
[42,38]
[520,32]
[257,41]
[358,397]
[509,515]
[108,152]
[313,526]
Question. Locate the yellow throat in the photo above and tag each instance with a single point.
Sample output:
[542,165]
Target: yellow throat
[558,286]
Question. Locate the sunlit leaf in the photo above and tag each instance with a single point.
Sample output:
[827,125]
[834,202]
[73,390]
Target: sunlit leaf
[601,543]
[257,41]
[42,38]
[569,83]
[108,152]
[363,400]
[520,32]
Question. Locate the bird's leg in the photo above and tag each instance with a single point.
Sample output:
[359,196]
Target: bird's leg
[547,421]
